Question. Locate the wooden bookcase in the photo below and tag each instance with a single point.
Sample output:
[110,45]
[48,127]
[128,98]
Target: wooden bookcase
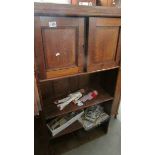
[77,47]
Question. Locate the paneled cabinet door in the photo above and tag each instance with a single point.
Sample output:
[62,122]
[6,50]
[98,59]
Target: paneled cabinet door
[59,43]
[103,43]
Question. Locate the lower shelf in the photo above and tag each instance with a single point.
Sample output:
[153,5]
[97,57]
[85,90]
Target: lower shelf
[75,140]
[52,111]
[74,127]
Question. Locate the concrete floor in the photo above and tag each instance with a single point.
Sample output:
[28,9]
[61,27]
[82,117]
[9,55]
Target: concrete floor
[109,144]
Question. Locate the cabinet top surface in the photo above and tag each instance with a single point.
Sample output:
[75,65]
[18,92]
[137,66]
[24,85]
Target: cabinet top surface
[47,9]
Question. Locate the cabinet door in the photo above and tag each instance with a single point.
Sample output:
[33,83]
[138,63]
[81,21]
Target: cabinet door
[103,43]
[59,46]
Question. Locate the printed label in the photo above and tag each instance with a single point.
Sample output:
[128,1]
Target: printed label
[52,24]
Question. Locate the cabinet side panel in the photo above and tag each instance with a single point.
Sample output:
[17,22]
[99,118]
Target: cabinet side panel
[39,56]
[117,96]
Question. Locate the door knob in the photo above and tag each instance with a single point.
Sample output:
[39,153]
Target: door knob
[57,54]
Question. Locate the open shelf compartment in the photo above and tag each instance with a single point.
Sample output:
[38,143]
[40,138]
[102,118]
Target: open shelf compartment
[74,127]
[103,82]
[78,126]
[51,109]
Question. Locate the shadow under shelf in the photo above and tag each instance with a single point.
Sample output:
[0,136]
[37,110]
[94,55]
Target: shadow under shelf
[51,110]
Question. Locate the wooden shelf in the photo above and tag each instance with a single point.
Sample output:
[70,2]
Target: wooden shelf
[78,74]
[76,139]
[52,111]
[46,9]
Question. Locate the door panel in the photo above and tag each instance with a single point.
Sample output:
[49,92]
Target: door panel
[103,47]
[61,50]
[106,44]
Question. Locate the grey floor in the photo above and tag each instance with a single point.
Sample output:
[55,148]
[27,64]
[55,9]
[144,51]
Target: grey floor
[109,144]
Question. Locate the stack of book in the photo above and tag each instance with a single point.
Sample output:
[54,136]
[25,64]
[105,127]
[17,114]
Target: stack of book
[93,117]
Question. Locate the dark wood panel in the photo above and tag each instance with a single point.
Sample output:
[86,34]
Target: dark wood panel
[40,63]
[103,46]
[59,49]
[108,81]
[118,56]
[81,74]
[117,96]
[106,44]
[70,10]
[61,21]
[108,21]
[41,137]
[61,72]
[62,87]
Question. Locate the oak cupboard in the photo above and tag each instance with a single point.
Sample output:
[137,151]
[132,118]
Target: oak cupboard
[75,47]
